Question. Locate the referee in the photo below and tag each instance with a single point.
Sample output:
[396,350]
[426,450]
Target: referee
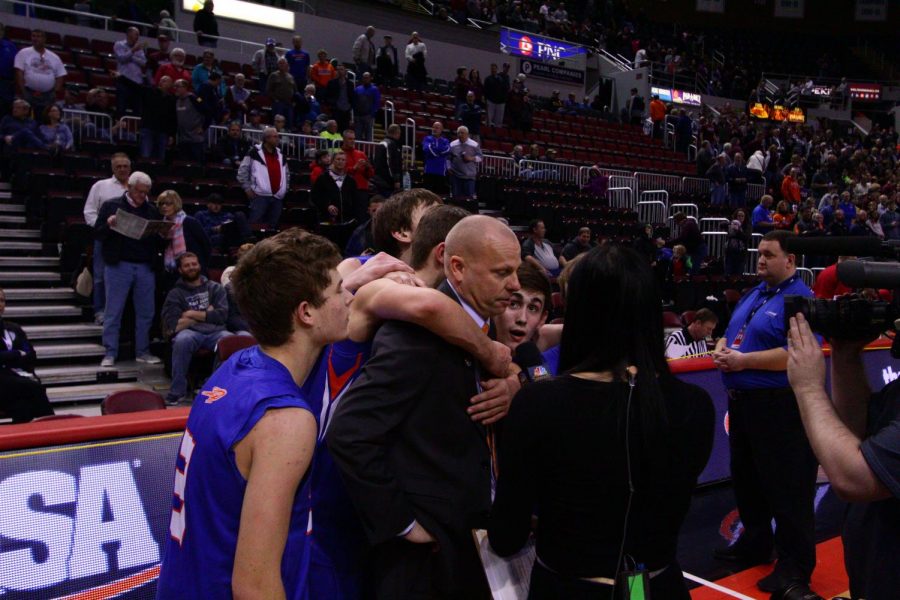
[691,340]
[773,469]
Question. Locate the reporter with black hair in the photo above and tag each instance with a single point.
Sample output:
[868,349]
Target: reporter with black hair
[855,436]
[616,420]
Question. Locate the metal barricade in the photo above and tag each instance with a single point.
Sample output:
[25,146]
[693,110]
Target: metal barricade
[675,229]
[755,191]
[689,210]
[548,171]
[695,185]
[622,181]
[750,267]
[410,139]
[652,212]
[715,243]
[129,129]
[388,113]
[621,197]
[584,175]
[656,196]
[657,181]
[755,239]
[497,166]
[808,277]
[714,224]
[86,125]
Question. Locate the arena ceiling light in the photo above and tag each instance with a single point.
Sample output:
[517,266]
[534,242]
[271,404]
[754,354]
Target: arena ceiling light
[248,12]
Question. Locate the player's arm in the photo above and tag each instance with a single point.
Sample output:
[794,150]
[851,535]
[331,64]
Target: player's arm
[549,336]
[273,458]
[385,300]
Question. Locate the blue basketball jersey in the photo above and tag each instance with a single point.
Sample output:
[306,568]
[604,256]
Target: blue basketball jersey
[338,542]
[209,489]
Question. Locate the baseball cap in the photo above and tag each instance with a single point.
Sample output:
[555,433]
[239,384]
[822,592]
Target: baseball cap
[270,41]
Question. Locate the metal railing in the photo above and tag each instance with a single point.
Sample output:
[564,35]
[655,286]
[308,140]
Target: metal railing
[553,171]
[808,277]
[713,224]
[498,166]
[652,212]
[755,191]
[655,196]
[621,197]
[715,243]
[87,125]
[387,112]
[129,129]
[695,185]
[689,210]
[750,266]
[657,181]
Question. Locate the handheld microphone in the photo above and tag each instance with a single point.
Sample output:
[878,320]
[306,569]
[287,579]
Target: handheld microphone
[840,246]
[529,359]
[862,274]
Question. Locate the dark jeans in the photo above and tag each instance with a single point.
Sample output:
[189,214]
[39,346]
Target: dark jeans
[773,471]
[128,95]
[286,110]
[435,183]
[342,117]
[153,144]
[265,209]
[462,188]
[21,398]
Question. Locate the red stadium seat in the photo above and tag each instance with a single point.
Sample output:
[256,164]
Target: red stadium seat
[128,401]
[231,344]
[557,301]
[687,317]
[671,320]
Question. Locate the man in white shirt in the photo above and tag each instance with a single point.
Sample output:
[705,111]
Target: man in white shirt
[39,74]
[690,341]
[103,190]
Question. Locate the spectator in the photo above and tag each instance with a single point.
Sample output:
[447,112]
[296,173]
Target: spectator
[334,191]
[22,398]
[255,122]
[847,205]
[416,53]
[224,229]
[366,104]
[828,286]
[8,52]
[158,120]
[890,220]
[232,148]
[761,218]
[716,176]
[321,163]
[129,267]
[470,114]
[388,65]
[225,279]
[598,183]
[210,94]
[298,61]
[690,341]
[460,88]
[206,26]
[131,60]
[735,249]
[102,191]
[465,156]
[129,10]
[526,113]
[281,88]
[18,130]
[361,170]
[191,116]
[187,235]
[681,265]
[174,69]
[758,165]
[436,149]
[204,71]
[167,27]
[361,241]
[579,244]
[538,251]
[341,97]
[265,62]
[157,57]
[39,73]
[859,226]
[363,51]
[321,73]
[691,238]
[838,226]
[333,136]
[873,224]
[635,107]
[308,108]
[264,176]
[496,92]
[684,129]
[193,317]
[475,85]
[705,159]
[658,116]
[790,187]
[737,176]
[388,163]
[56,135]
[236,97]
[783,217]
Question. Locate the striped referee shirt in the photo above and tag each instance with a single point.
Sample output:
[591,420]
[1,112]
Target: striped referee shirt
[680,344]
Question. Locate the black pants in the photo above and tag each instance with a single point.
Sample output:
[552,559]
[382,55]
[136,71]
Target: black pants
[343,118]
[435,183]
[773,470]
[21,398]
[547,585]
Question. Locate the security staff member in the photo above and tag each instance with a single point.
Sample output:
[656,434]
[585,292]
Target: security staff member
[773,469]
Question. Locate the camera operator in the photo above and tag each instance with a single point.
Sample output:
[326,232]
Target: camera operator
[773,469]
[856,438]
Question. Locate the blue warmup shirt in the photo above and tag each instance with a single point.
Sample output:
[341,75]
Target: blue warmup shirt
[762,311]
[551,359]
[209,489]
[760,214]
[339,544]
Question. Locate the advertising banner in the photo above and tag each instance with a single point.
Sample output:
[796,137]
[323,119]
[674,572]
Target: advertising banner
[549,71]
[249,12]
[871,10]
[533,46]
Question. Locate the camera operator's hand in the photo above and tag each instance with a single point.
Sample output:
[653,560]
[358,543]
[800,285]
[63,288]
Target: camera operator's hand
[806,363]
[728,360]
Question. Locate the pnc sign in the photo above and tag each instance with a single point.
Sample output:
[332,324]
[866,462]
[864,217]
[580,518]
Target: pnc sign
[528,45]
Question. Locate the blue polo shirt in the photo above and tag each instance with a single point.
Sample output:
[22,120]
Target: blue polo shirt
[760,214]
[762,310]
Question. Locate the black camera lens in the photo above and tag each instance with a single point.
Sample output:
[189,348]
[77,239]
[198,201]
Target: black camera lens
[796,591]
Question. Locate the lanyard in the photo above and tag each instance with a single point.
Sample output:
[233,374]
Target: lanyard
[766,296]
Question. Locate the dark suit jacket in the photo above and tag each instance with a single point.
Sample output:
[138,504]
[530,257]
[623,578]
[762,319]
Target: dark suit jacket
[325,193]
[333,91]
[408,450]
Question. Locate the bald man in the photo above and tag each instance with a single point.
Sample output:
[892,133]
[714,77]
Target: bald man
[416,466]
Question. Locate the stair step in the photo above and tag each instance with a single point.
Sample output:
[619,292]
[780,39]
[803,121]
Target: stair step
[13,245]
[21,262]
[31,234]
[97,391]
[124,371]
[47,351]
[28,276]
[13,219]
[42,311]
[38,294]
[66,331]
[11,208]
